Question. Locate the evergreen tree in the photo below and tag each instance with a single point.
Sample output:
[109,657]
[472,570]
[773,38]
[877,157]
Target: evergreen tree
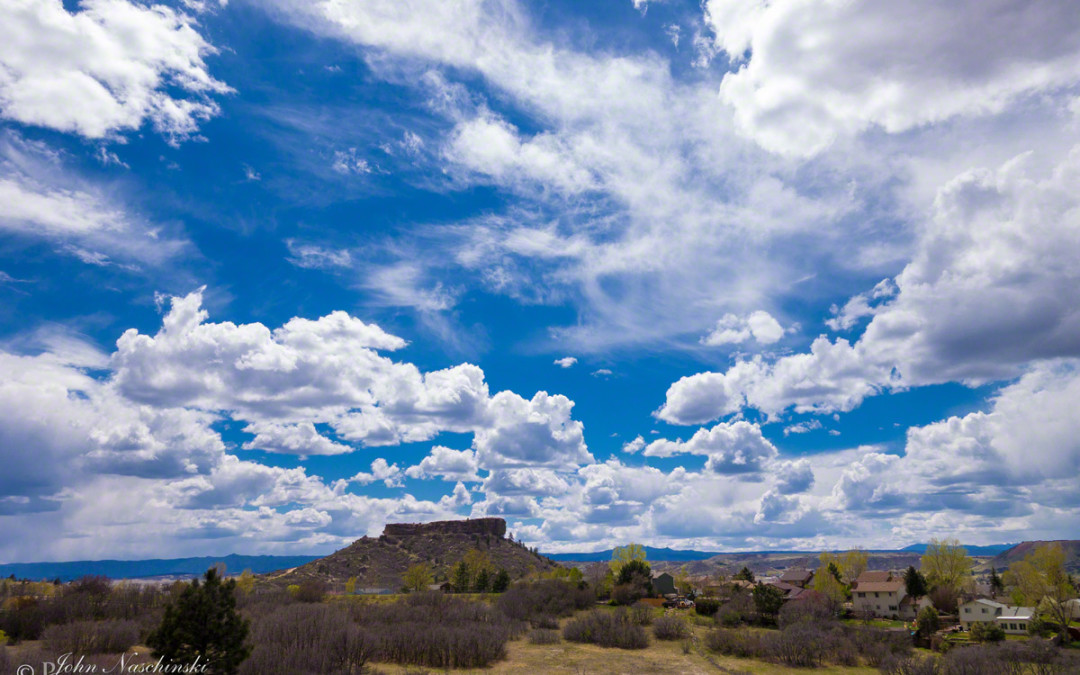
[996,585]
[634,571]
[915,583]
[502,582]
[202,627]
[482,581]
[768,600]
[460,581]
[745,575]
[834,570]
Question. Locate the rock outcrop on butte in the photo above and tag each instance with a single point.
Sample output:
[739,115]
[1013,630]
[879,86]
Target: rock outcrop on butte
[380,563]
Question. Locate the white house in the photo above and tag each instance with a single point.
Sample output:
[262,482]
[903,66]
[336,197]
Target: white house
[1072,608]
[909,609]
[1013,620]
[878,594]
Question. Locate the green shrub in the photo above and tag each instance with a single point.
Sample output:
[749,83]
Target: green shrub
[985,631]
[928,621]
[706,606]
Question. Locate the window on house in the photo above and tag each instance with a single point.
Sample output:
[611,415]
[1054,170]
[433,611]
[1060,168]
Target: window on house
[984,610]
[876,594]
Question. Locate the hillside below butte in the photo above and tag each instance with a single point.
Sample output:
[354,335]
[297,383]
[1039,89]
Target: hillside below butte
[1071,548]
[380,563]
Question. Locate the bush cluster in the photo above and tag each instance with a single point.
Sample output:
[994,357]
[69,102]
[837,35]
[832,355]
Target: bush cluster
[814,608]
[545,598]
[435,630]
[671,627]
[29,608]
[809,644]
[737,610]
[606,629]
[1030,657]
[641,614]
[306,639]
[92,637]
[544,636]
[706,606]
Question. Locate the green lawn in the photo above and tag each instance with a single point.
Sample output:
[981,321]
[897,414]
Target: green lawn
[877,623]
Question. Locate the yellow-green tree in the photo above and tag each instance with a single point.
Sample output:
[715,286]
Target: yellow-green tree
[682,580]
[571,574]
[350,586]
[828,585]
[1041,581]
[419,577]
[624,554]
[946,563]
[246,582]
[476,560]
[852,564]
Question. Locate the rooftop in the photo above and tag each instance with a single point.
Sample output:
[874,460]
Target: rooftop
[880,586]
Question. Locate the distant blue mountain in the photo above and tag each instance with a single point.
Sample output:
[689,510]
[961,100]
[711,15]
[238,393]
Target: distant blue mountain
[676,555]
[665,554]
[260,564]
[137,569]
[990,549]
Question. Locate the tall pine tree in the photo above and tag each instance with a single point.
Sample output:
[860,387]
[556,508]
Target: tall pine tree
[501,582]
[203,627]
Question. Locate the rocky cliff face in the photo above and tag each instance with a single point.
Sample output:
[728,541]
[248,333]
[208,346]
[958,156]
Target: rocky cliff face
[381,562]
[495,527]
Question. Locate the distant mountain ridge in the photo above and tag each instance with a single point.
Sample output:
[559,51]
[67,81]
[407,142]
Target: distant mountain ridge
[143,569]
[665,554]
[688,555]
[1004,554]
[972,549]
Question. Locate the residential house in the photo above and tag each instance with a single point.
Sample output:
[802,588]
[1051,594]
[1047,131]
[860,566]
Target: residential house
[720,590]
[664,584]
[1072,608]
[878,598]
[790,591]
[1012,619]
[874,575]
[909,609]
[1015,620]
[797,577]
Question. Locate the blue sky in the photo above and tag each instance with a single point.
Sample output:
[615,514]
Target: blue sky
[721,275]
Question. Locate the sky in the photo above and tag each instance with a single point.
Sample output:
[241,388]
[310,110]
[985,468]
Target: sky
[724,275]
